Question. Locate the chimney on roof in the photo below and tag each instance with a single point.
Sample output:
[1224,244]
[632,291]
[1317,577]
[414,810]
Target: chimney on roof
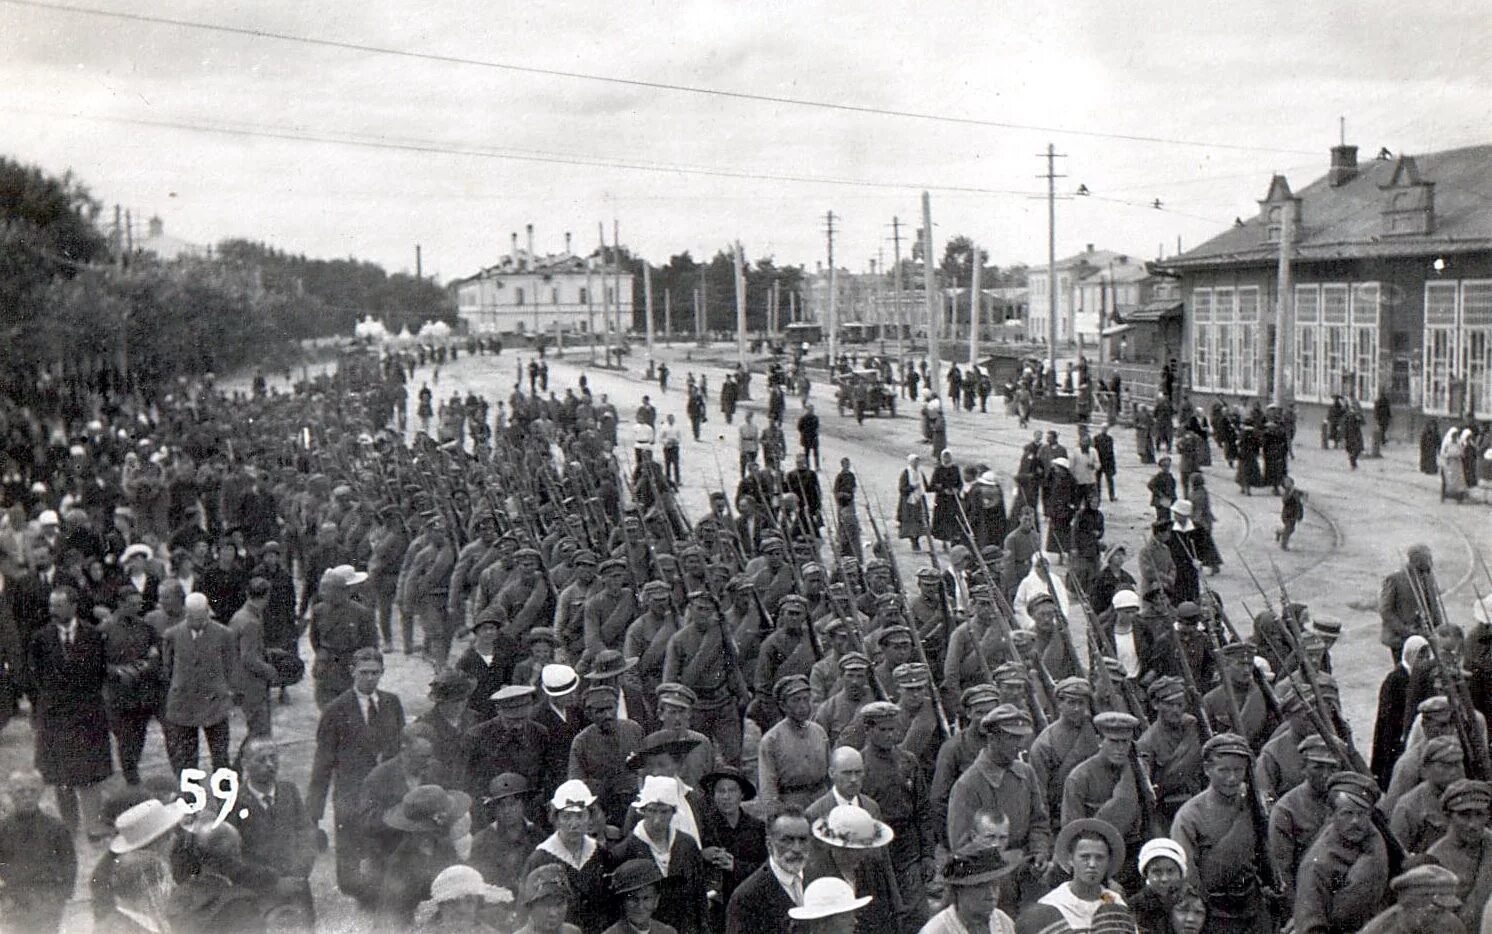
[567,243]
[530,229]
[513,239]
[1343,165]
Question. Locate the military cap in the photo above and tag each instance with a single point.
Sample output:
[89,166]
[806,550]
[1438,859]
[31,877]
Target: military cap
[1227,744]
[788,686]
[1314,749]
[602,687]
[484,519]
[839,587]
[1166,688]
[1038,599]
[1239,651]
[812,567]
[877,564]
[1443,749]
[546,882]
[1357,787]
[829,625]
[1186,609]
[926,574]
[1466,794]
[852,660]
[1074,685]
[655,587]
[889,599]
[976,694]
[791,599]
[897,631]
[991,554]
[1292,698]
[911,675]
[700,596]
[1328,628]
[1007,718]
[1022,638]
[584,556]
[1126,599]
[613,564]
[876,711]
[981,592]
[680,695]
[689,548]
[541,634]
[1431,879]
[507,538]
[848,561]
[1115,667]
[772,543]
[532,553]
[1010,673]
[740,583]
[1116,724]
[1436,708]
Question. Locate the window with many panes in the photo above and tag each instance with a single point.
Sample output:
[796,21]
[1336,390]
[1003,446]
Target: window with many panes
[1337,327]
[1247,331]
[1202,340]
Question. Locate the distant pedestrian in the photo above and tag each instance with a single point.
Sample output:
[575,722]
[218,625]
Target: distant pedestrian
[911,506]
[808,433]
[1292,512]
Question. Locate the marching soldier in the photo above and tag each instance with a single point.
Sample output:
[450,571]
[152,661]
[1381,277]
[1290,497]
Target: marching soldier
[1344,875]
[702,657]
[893,780]
[1217,832]
[1105,785]
[1298,817]
[1466,849]
[1172,748]
[1070,740]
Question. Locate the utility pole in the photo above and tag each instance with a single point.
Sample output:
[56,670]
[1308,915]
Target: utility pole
[667,317]
[647,291]
[1053,299]
[833,290]
[419,263]
[740,277]
[975,307]
[934,303]
[1284,320]
[896,284]
[697,329]
[616,255]
[1108,306]
[702,306]
[776,305]
[590,309]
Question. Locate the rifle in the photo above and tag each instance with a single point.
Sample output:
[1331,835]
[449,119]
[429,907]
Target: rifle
[1044,571]
[1476,756]
[1106,648]
[885,547]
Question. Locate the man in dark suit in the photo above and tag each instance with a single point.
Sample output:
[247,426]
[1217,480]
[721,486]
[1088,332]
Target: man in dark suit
[199,658]
[358,730]
[70,722]
[1400,599]
[558,713]
[255,674]
[135,692]
[759,904]
[272,821]
[29,593]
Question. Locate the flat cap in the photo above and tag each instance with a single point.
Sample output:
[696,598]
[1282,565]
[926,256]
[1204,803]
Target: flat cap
[1429,879]
[1067,687]
[852,660]
[680,695]
[896,631]
[1186,609]
[612,564]
[1435,707]
[1239,651]
[928,574]
[788,686]
[1167,687]
[513,695]
[1007,718]
[877,711]
[1126,600]
[1314,749]
[1227,744]
[1444,749]
[1117,724]
[911,675]
[1466,794]
[541,634]
[792,599]
[1010,673]
[1356,787]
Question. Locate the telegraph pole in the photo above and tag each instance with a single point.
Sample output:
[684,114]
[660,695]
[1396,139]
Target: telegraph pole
[697,329]
[1284,320]
[647,291]
[419,263]
[702,306]
[590,309]
[833,289]
[740,277]
[605,294]
[896,283]
[667,317]
[616,275]
[934,305]
[1051,264]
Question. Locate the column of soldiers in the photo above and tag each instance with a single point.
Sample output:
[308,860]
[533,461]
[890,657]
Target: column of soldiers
[639,721]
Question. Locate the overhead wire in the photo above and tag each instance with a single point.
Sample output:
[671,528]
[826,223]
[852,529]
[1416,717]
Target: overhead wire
[640,83]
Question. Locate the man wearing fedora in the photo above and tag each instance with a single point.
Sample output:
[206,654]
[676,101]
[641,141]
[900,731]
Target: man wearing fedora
[972,878]
[340,626]
[449,718]
[849,846]
[610,667]
[254,674]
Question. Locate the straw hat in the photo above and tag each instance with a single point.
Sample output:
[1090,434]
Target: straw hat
[825,897]
[143,824]
[455,882]
[850,827]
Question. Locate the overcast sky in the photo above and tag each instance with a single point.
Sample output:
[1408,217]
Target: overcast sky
[1271,75]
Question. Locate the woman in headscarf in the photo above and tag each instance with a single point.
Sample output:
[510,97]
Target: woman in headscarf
[946,485]
[1393,694]
[1452,467]
[1429,446]
[985,505]
[1469,449]
[911,504]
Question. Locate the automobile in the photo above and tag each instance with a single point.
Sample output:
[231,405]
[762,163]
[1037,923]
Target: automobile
[867,386]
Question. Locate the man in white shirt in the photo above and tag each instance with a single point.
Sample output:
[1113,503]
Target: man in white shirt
[671,436]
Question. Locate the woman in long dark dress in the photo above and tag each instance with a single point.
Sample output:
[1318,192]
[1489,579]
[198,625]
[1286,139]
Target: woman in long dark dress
[946,484]
[1202,517]
[911,503]
[1276,446]
[1429,448]
[986,508]
[1246,471]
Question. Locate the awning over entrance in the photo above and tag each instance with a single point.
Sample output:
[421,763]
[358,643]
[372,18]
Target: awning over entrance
[1153,312]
